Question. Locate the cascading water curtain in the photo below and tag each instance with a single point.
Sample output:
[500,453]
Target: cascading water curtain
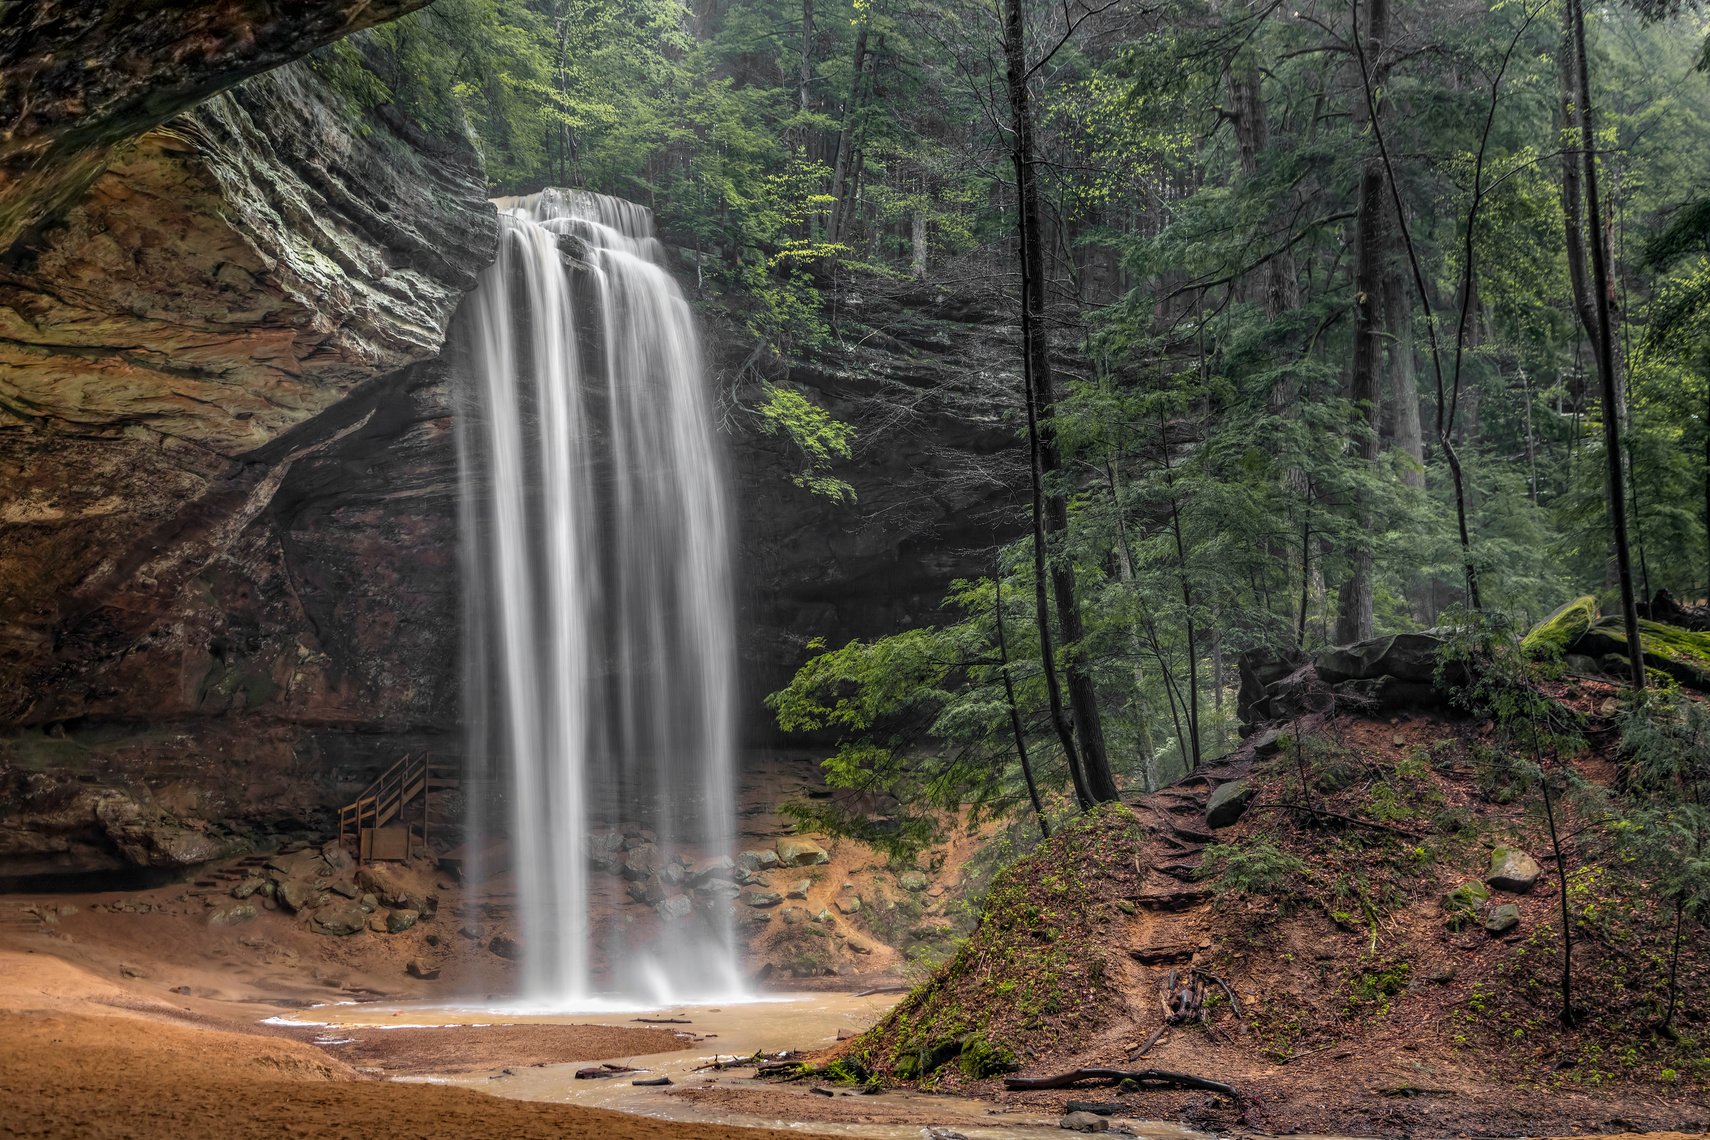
[600,658]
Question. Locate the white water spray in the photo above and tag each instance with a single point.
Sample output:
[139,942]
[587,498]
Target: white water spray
[599,658]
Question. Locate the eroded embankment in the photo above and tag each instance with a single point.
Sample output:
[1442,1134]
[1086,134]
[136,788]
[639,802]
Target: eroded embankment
[1330,948]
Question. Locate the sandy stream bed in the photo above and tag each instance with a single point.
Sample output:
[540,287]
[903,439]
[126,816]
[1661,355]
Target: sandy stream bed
[178,1046]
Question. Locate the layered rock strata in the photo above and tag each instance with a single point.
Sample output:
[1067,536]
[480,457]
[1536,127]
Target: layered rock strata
[227,542]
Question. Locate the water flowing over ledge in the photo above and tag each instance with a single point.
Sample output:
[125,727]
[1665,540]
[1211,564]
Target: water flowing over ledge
[598,633]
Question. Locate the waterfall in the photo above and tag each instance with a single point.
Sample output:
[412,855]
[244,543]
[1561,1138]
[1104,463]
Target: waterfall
[599,655]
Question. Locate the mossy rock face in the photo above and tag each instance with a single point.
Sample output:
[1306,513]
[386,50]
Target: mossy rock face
[1553,636]
[1682,654]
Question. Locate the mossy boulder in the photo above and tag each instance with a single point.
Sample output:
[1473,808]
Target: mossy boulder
[1682,654]
[1466,898]
[1557,634]
[1228,803]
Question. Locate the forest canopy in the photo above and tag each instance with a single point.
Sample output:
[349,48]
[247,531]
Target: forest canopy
[1340,309]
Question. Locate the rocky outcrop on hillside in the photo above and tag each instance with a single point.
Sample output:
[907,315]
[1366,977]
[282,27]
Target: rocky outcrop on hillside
[931,383]
[228,539]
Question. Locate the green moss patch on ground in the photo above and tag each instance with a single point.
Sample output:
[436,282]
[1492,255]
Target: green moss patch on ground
[1041,970]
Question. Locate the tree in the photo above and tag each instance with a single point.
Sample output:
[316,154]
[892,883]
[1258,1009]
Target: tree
[1083,738]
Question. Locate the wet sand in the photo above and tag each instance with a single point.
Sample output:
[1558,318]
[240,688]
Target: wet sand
[84,1057]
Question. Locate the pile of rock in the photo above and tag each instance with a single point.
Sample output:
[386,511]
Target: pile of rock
[325,888]
[1512,871]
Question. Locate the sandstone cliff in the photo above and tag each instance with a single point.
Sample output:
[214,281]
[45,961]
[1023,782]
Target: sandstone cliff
[225,485]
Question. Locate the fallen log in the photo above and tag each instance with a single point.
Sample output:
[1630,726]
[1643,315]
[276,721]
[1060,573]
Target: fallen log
[652,1082]
[601,1072]
[892,989]
[662,1020]
[1158,1077]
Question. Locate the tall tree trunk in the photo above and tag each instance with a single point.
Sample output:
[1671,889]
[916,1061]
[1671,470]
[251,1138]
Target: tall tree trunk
[1605,345]
[804,77]
[846,136]
[1186,583]
[1404,378]
[1354,604]
[917,234]
[1052,515]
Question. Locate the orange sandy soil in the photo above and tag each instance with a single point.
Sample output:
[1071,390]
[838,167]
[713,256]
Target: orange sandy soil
[84,1057]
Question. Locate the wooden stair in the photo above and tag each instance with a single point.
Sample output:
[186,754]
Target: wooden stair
[413,778]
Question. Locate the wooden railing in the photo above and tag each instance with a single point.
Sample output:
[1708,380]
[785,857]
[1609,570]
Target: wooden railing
[384,800]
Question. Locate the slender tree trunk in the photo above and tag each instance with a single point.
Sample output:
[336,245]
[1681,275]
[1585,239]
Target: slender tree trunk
[1404,379]
[846,136]
[1605,345]
[1573,196]
[1125,567]
[1015,712]
[1187,601]
[917,259]
[1667,1026]
[1053,518]
[804,77]
[1354,604]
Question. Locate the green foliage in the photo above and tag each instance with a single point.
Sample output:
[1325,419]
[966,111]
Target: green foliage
[1254,867]
[820,438]
[1665,827]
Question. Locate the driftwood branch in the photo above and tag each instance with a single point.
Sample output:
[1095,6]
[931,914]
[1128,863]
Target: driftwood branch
[1158,1077]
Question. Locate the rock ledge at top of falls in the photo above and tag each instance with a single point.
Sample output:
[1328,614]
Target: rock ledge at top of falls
[82,77]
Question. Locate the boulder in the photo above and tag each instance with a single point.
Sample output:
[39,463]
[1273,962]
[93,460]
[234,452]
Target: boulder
[848,904]
[1501,919]
[148,837]
[426,971]
[672,908]
[1466,897]
[505,947]
[1682,654]
[717,867]
[401,920]
[1557,634]
[912,881]
[1259,669]
[799,889]
[248,887]
[336,857]
[1512,870]
[1228,803]
[798,852]
[641,862]
[763,899]
[296,894]
[1084,1122]
[795,915]
[1400,657]
[757,860]
[340,918]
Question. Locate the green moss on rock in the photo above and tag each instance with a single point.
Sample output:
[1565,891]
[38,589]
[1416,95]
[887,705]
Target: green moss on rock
[1556,634]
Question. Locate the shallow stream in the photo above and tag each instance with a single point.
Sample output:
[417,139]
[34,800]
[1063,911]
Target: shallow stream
[774,1024]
